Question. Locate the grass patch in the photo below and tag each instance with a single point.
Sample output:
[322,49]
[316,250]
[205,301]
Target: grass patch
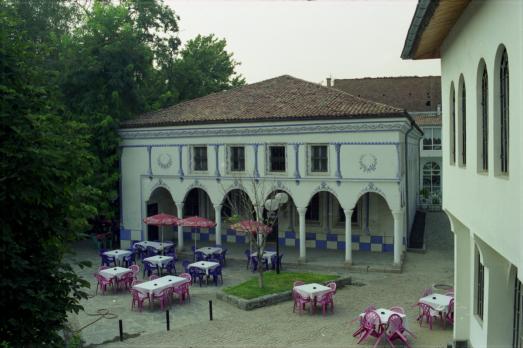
[274,283]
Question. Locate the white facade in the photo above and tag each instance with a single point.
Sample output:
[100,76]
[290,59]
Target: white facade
[370,159]
[484,206]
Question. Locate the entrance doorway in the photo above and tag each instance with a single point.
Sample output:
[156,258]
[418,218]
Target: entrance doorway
[152,231]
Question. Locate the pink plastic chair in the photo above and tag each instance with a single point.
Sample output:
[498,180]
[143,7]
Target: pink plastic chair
[138,299]
[102,283]
[136,282]
[325,300]
[186,276]
[300,302]
[426,292]
[162,297]
[425,311]
[126,280]
[449,316]
[297,283]
[135,269]
[396,330]
[397,309]
[182,291]
[332,285]
[370,326]
[102,267]
[153,277]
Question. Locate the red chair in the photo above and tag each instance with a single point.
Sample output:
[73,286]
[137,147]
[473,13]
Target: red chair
[397,309]
[426,311]
[186,276]
[182,291]
[162,297]
[138,299]
[426,292]
[449,316]
[396,330]
[153,277]
[299,301]
[102,283]
[332,285]
[370,326]
[135,269]
[297,283]
[126,280]
[325,300]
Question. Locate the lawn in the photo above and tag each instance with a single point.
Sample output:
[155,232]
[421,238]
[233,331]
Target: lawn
[275,283]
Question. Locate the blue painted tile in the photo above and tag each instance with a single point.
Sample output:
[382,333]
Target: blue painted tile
[240,239]
[332,237]
[388,247]
[212,230]
[365,246]
[290,234]
[321,244]
[341,245]
[282,241]
[224,238]
[376,239]
[204,237]
[125,234]
[230,232]
[356,238]
[297,243]
[310,236]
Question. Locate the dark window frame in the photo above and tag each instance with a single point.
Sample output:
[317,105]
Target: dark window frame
[480,286]
[484,120]
[463,124]
[504,112]
[453,127]
[277,164]
[319,158]
[200,158]
[429,139]
[237,158]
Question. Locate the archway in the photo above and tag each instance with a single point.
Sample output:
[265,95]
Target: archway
[237,203]
[160,201]
[198,203]
[285,220]
[325,222]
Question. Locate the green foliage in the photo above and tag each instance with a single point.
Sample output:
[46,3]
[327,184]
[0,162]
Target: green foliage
[45,167]
[275,283]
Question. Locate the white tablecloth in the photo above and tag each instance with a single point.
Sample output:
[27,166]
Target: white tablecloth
[312,290]
[155,245]
[114,272]
[157,285]
[438,301]
[205,265]
[158,260]
[210,250]
[266,255]
[118,254]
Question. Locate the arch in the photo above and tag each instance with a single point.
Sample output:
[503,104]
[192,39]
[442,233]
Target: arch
[462,121]
[160,201]
[452,123]
[482,117]
[197,202]
[323,187]
[501,111]
[161,184]
[372,188]
[236,201]
[325,208]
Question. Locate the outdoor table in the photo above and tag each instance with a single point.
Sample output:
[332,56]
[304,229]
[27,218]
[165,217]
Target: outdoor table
[205,265]
[157,285]
[156,245]
[210,250]
[439,302]
[118,254]
[159,261]
[385,315]
[312,290]
[114,272]
[266,255]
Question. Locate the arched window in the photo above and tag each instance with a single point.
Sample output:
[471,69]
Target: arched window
[432,177]
[452,125]
[504,111]
[463,124]
[484,120]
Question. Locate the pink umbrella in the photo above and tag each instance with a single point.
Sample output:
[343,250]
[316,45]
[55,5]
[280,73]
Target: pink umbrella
[251,226]
[161,219]
[196,221]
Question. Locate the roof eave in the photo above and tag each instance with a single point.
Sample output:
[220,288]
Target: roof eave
[422,16]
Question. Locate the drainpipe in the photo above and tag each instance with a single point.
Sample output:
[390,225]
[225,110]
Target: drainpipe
[407,181]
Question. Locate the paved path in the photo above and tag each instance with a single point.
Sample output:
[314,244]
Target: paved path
[277,326]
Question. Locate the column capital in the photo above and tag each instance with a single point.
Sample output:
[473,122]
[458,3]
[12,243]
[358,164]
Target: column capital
[218,206]
[301,210]
[348,212]
[179,204]
[397,212]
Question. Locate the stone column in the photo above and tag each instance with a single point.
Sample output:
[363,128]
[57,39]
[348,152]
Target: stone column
[348,236]
[218,220]
[398,235]
[179,209]
[301,213]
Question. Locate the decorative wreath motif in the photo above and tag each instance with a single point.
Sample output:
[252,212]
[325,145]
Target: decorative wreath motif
[165,161]
[368,163]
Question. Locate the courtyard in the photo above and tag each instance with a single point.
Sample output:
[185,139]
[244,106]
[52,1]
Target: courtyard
[277,325]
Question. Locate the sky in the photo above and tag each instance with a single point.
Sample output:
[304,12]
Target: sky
[311,40]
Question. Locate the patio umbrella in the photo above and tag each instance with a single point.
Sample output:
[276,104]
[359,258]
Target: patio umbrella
[252,227]
[196,221]
[160,220]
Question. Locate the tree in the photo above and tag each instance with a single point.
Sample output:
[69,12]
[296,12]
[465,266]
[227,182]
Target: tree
[45,198]
[250,209]
[204,67]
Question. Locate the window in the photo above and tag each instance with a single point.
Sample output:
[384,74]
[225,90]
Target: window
[480,286]
[200,158]
[463,124]
[517,331]
[452,126]
[484,120]
[432,139]
[319,158]
[432,177]
[237,158]
[504,111]
[354,217]
[313,210]
[277,158]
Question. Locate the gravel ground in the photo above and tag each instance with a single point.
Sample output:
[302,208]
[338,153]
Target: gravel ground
[278,326]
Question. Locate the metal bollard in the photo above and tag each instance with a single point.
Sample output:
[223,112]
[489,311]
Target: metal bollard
[167,320]
[210,309]
[120,325]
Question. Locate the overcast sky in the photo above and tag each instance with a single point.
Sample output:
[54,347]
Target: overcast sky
[308,39]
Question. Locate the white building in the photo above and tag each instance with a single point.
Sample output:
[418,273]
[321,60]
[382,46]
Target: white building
[349,166]
[480,44]
[420,96]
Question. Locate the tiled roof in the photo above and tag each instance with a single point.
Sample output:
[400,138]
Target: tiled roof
[427,120]
[282,98]
[411,93]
